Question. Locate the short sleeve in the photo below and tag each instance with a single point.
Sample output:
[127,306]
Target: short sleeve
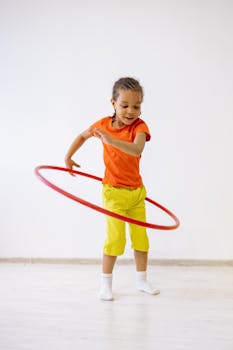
[98,124]
[142,127]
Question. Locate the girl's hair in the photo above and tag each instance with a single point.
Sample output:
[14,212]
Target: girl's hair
[126,83]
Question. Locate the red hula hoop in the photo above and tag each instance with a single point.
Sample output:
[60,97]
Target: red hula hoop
[98,208]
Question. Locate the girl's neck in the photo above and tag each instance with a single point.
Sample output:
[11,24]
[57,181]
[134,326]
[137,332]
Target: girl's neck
[116,123]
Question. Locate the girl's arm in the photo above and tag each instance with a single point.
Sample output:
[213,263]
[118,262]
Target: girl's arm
[134,148]
[76,144]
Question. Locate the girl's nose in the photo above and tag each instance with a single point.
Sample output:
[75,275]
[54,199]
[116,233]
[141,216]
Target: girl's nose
[130,110]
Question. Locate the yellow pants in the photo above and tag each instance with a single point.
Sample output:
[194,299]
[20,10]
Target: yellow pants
[128,202]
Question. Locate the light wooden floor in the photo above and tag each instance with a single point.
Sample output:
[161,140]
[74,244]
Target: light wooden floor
[54,307]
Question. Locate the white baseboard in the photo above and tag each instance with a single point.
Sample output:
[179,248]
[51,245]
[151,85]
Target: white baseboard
[92,261]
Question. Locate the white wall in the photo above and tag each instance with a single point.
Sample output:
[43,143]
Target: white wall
[59,60]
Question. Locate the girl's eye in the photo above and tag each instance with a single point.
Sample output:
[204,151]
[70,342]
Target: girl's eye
[136,107]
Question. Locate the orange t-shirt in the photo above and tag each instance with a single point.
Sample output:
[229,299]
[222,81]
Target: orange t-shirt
[122,169]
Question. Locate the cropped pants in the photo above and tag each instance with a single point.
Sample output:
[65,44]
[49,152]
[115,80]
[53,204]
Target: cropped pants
[128,202]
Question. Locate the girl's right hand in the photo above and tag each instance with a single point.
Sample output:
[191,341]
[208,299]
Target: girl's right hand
[70,164]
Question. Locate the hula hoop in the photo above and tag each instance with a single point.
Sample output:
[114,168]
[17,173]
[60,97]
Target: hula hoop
[98,208]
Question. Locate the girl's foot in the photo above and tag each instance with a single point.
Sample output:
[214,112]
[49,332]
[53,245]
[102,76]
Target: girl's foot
[105,292]
[142,284]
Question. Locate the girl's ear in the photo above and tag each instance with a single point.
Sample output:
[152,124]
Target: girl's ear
[112,102]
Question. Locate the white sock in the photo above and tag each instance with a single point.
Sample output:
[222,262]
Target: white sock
[143,285]
[105,292]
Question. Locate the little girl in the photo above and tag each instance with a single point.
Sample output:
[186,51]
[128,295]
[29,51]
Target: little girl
[123,136]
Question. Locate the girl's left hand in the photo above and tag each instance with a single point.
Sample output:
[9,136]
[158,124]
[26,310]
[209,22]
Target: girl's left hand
[103,135]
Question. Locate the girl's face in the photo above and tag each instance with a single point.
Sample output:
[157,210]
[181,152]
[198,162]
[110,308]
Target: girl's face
[127,107]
